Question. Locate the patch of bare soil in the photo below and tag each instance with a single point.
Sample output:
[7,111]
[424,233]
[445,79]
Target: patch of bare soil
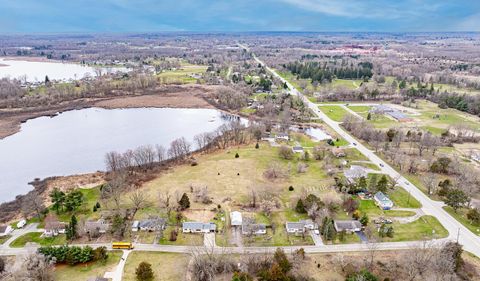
[201,215]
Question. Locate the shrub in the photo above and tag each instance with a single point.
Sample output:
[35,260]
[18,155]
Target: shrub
[236,155]
[100,254]
[364,220]
[257,146]
[173,235]
[285,152]
[290,188]
[144,271]
[241,276]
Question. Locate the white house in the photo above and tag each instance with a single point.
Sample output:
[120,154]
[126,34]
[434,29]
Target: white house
[5,229]
[347,225]
[198,227]
[282,136]
[309,224]
[295,227]
[382,201]
[21,223]
[235,218]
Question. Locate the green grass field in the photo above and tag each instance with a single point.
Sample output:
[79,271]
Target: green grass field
[401,198]
[334,112]
[35,237]
[182,75]
[426,227]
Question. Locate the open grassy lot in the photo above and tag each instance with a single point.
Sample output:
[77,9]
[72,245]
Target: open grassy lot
[426,227]
[166,266]
[401,198]
[334,112]
[230,180]
[35,237]
[82,272]
[185,74]
[461,216]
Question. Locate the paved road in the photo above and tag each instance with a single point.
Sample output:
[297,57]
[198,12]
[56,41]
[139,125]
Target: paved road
[469,240]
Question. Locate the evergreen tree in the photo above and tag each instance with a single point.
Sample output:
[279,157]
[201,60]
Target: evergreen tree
[372,185]
[362,183]
[58,199]
[382,184]
[364,219]
[300,208]
[184,202]
[71,231]
[369,116]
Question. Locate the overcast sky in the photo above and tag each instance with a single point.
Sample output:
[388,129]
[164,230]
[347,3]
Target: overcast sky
[47,16]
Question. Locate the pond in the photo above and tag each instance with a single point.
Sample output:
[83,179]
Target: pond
[76,142]
[35,71]
[317,134]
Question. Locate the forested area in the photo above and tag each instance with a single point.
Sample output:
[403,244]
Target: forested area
[322,72]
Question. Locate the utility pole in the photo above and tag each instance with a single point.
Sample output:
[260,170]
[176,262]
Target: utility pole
[458,234]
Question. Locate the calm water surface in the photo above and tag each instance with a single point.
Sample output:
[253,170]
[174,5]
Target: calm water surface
[35,71]
[76,141]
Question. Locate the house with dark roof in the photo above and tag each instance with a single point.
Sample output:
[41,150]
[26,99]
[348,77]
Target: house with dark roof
[151,224]
[347,225]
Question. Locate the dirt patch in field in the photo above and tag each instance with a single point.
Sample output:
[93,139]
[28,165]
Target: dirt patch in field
[201,215]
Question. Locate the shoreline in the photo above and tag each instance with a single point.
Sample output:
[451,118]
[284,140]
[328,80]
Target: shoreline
[192,96]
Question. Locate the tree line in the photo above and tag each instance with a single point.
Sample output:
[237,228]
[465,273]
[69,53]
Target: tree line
[321,72]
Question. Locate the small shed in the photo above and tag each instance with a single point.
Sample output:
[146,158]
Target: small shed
[235,218]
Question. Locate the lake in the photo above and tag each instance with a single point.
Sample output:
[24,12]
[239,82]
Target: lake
[35,71]
[76,142]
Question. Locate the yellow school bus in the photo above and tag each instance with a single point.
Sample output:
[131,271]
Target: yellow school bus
[122,245]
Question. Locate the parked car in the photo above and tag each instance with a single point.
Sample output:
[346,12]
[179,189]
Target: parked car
[381,165]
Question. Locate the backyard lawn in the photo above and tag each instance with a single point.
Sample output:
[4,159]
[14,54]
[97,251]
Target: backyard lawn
[35,237]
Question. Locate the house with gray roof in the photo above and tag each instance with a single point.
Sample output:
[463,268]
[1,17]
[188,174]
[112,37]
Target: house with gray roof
[198,227]
[347,225]
[382,201]
[100,226]
[151,224]
[254,228]
[355,172]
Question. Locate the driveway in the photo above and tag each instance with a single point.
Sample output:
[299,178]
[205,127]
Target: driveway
[317,239]
[237,238]
[118,273]
[209,240]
